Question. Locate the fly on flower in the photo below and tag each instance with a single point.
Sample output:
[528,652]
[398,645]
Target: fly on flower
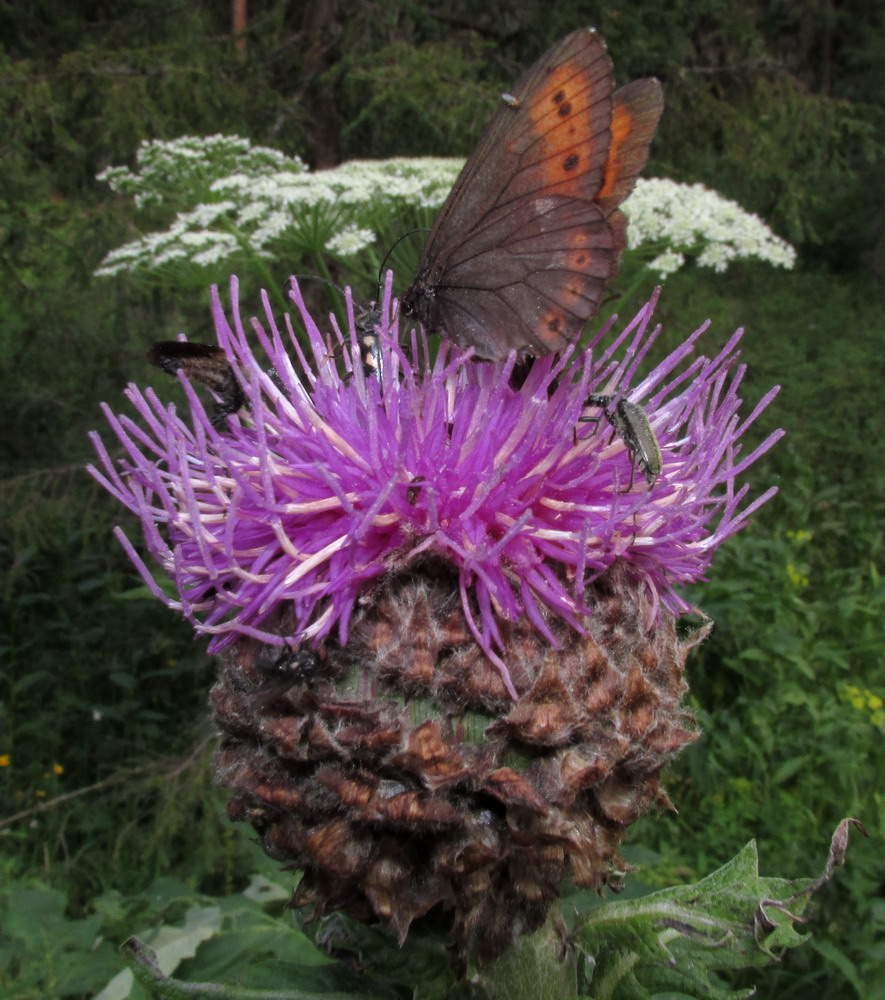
[202,363]
[293,665]
[282,671]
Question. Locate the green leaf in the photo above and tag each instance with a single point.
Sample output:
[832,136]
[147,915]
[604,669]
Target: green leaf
[789,768]
[173,945]
[670,941]
[843,963]
[148,973]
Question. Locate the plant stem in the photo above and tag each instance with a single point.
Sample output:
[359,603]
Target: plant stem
[539,966]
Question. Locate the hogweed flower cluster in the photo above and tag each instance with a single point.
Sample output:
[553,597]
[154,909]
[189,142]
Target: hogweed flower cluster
[256,200]
[692,222]
[444,604]
[234,199]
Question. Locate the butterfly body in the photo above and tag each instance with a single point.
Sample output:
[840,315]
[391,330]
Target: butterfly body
[530,235]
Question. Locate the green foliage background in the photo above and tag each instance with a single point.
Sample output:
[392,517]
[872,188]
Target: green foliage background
[778,104]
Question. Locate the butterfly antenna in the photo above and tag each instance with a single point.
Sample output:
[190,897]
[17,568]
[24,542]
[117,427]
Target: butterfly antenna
[312,277]
[405,236]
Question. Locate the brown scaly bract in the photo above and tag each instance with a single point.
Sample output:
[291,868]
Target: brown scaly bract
[407,784]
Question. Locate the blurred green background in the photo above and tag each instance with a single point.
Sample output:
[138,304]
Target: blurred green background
[777,104]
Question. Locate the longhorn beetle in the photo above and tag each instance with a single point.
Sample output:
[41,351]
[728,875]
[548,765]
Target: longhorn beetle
[631,424]
[367,322]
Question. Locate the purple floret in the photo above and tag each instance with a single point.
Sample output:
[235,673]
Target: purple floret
[329,480]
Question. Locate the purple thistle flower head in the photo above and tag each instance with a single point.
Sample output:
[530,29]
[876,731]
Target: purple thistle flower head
[326,481]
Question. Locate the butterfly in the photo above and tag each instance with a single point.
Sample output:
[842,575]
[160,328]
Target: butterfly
[530,235]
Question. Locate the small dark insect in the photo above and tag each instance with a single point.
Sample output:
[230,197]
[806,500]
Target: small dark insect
[413,490]
[631,423]
[282,673]
[202,363]
[293,665]
[368,321]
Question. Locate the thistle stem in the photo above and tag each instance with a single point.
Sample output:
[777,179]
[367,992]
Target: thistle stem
[539,966]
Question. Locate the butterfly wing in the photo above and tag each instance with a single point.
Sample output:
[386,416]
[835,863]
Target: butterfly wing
[635,116]
[529,288]
[637,111]
[520,252]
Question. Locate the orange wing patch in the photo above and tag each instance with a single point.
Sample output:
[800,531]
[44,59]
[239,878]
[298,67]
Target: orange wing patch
[637,110]
[567,105]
